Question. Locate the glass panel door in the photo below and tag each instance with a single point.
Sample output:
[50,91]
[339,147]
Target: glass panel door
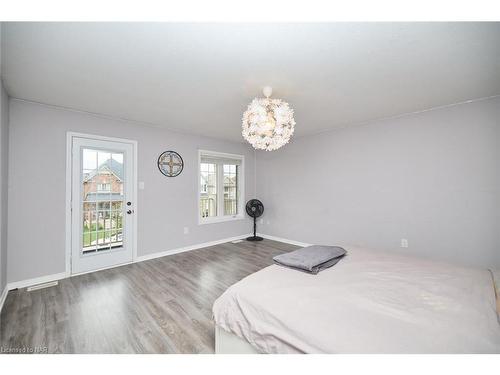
[102,204]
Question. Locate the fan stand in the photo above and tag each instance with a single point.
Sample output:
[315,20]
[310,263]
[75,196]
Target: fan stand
[254,237]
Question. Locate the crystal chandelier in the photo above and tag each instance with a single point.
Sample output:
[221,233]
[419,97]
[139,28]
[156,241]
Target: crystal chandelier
[268,123]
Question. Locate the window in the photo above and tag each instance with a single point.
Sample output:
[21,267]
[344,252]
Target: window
[221,187]
[230,189]
[104,187]
[208,194]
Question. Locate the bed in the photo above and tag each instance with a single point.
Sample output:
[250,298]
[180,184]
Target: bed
[370,302]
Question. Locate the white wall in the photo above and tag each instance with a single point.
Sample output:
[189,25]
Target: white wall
[37,157]
[433,178]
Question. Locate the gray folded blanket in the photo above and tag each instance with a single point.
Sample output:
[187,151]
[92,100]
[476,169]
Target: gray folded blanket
[311,259]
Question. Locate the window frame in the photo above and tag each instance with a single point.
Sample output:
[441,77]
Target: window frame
[220,188]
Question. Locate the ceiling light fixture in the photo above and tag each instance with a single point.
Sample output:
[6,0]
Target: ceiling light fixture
[268,124]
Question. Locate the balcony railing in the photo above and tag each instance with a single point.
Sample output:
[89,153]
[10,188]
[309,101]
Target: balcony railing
[208,206]
[230,207]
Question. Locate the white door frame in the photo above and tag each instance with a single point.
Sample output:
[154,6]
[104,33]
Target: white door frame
[69,159]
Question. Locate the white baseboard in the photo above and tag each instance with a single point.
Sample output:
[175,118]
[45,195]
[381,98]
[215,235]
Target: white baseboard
[189,248]
[63,275]
[285,240]
[36,281]
[3,297]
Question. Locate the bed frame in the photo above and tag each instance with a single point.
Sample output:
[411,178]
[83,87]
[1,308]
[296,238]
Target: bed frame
[229,343]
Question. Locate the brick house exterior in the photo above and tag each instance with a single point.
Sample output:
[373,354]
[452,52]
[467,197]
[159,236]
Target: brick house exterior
[106,179]
[103,197]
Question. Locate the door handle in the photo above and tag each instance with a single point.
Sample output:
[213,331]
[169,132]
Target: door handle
[130,212]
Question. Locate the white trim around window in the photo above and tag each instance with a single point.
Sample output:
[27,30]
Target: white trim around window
[221,156]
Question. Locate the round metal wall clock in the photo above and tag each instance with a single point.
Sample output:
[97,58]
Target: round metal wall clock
[170,164]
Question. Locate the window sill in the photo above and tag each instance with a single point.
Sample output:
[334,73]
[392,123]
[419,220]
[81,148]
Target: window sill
[222,219]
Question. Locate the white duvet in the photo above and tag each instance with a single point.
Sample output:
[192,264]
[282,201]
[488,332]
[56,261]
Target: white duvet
[370,302]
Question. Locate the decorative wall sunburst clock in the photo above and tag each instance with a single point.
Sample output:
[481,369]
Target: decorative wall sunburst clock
[170,164]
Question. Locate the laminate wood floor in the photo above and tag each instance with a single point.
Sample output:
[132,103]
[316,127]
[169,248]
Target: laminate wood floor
[162,305]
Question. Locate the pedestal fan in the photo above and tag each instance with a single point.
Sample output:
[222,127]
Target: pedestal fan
[254,208]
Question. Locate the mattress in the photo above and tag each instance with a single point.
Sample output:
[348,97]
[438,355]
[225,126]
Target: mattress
[370,302]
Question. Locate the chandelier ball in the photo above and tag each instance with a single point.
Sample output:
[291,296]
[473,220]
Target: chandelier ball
[268,124]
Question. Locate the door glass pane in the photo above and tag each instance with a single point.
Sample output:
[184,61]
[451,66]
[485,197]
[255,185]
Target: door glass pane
[230,189]
[208,189]
[102,203]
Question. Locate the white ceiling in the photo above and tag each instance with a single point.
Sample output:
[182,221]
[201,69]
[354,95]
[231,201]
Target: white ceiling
[199,78]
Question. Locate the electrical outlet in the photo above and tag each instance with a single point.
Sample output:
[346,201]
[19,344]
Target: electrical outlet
[404,242]
[261,221]
[268,222]
[186,230]
[141,185]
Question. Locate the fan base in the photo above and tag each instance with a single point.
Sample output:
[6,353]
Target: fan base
[254,238]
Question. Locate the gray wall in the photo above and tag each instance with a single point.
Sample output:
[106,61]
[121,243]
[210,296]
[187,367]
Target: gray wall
[37,162]
[4,154]
[433,178]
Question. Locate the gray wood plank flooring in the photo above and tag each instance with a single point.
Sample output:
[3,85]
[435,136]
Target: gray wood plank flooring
[157,306]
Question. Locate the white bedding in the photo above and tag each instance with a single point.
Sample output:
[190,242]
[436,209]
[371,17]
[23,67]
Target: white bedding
[370,302]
